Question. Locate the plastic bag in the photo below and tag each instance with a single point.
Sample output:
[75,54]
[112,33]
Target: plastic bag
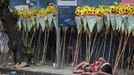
[78,24]
[33,20]
[108,20]
[19,23]
[130,25]
[99,23]
[113,21]
[42,22]
[55,22]
[29,24]
[24,24]
[124,23]
[119,20]
[50,18]
[84,22]
[37,22]
[91,20]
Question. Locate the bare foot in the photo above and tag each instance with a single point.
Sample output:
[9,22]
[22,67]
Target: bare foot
[17,65]
[23,64]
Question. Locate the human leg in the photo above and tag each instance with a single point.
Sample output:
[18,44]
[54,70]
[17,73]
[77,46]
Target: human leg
[80,65]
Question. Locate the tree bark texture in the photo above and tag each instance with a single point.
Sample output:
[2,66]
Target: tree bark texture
[15,36]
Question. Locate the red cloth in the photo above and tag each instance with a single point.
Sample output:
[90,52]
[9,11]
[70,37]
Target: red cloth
[94,67]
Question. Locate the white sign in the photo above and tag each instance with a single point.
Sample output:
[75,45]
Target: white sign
[67,2]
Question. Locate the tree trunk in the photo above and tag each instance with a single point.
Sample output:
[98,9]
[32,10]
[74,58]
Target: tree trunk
[15,41]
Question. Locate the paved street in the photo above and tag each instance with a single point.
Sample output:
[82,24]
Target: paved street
[40,70]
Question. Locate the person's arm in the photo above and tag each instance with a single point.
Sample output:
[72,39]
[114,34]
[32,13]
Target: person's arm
[80,65]
[78,69]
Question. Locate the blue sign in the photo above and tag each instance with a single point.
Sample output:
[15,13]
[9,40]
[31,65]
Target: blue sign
[96,3]
[66,15]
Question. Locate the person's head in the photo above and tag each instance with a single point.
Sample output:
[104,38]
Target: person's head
[107,68]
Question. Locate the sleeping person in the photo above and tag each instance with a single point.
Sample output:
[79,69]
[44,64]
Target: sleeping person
[100,67]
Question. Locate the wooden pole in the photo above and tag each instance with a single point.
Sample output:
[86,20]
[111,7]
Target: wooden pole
[99,50]
[120,54]
[38,45]
[45,46]
[63,51]
[119,47]
[78,48]
[110,48]
[105,42]
[88,47]
[75,52]
[92,50]
[58,50]
[70,39]
[30,43]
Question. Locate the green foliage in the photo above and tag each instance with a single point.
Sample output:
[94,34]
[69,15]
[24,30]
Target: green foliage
[14,11]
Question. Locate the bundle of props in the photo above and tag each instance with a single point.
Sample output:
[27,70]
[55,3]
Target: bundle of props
[33,21]
[118,17]
[33,18]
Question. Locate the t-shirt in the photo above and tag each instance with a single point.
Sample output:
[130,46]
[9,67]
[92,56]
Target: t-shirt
[94,67]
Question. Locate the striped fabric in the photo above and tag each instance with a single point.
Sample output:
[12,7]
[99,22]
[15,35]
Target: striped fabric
[4,49]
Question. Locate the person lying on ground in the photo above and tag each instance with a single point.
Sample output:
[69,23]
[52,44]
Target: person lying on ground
[105,69]
[87,67]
